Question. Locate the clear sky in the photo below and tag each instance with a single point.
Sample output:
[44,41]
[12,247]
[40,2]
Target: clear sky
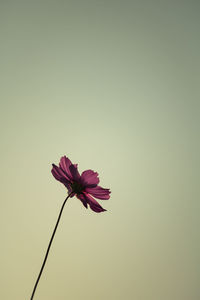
[113,85]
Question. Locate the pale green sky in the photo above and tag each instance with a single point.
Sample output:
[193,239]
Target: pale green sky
[114,85]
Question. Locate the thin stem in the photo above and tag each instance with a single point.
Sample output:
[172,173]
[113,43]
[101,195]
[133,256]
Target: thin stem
[49,246]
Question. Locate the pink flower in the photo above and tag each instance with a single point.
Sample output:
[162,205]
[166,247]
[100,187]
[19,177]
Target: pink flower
[84,186]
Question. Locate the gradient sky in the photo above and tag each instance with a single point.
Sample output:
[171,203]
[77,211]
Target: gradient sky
[113,85]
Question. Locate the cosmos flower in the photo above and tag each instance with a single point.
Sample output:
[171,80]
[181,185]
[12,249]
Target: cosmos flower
[84,186]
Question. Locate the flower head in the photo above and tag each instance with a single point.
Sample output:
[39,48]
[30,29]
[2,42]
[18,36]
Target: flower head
[84,186]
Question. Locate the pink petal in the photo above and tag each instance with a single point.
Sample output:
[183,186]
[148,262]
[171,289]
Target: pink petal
[94,205]
[75,173]
[60,175]
[83,199]
[89,178]
[65,163]
[99,192]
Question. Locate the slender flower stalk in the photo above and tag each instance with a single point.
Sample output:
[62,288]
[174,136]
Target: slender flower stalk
[49,246]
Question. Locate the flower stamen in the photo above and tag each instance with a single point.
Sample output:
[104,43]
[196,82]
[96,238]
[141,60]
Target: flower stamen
[77,188]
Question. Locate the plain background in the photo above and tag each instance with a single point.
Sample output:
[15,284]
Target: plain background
[114,85]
